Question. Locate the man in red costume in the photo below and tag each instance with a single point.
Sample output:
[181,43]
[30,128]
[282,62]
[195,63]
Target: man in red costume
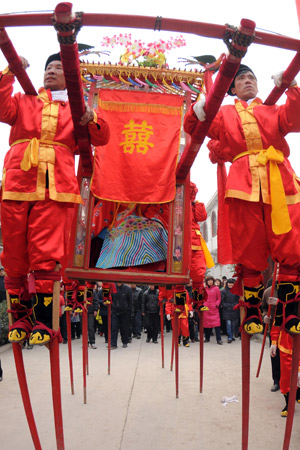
[262,191]
[38,186]
[182,307]
[283,341]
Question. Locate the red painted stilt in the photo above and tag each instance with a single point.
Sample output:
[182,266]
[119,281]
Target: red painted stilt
[68,319]
[201,348]
[245,388]
[84,352]
[109,337]
[161,307]
[176,354]
[292,393]
[173,346]
[56,392]
[17,350]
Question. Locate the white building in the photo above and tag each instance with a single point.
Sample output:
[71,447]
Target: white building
[209,233]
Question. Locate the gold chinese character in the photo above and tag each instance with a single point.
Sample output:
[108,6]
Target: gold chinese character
[136,137]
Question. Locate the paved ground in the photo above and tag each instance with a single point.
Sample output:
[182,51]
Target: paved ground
[135,407]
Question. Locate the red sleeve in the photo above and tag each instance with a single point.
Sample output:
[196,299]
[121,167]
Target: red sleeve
[9,104]
[99,130]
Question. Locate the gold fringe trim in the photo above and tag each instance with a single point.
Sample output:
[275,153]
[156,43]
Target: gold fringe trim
[140,107]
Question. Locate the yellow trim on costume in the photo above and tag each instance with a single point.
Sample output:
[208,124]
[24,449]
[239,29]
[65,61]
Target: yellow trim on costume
[140,107]
[208,258]
[280,215]
[7,71]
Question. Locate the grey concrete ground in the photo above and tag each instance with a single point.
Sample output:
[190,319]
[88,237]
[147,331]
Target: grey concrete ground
[135,406]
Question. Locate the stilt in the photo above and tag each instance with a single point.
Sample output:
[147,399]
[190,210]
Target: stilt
[21,374]
[68,320]
[173,347]
[292,393]
[17,350]
[161,307]
[201,348]
[245,388]
[84,352]
[176,354]
[55,369]
[56,392]
[109,337]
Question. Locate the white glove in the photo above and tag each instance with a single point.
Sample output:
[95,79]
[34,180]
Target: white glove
[298,380]
[191,313]
[278,79]
[273,350]
[168,317]
[267,319]
[199,109]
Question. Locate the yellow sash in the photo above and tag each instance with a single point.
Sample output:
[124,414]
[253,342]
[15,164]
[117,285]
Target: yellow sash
[280,217]
[31,154]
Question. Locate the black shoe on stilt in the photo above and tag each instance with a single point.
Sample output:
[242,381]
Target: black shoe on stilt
[42,332]
[252,322]
[289,297]
[24,319]
[284,412]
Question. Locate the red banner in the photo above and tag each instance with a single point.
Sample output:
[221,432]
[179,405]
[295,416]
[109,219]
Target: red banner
[139,162]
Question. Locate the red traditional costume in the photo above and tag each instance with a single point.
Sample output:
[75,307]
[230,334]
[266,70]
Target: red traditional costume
[284,342]
[263,195]
[171,308]
[39,185]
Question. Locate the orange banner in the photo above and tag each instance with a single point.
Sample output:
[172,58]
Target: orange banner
[139,162]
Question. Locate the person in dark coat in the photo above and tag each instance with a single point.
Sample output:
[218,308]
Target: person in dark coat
[121,313]
[231,316]
[150,309]
[137,296]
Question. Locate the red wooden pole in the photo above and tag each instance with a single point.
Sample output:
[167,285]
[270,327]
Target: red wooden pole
[176,354]
[201,348]
[292,393]
[56,392]
[84,352]
[17,350]
[109,337]
[161,307]
[173,346]
[68,320]
[245,388]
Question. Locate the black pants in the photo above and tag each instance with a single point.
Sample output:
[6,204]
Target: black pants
[91,328]
[275,363]
[75,330]
[63,326]
[152,322]
[119,322]
[137,323]
[207,333]
[1,371]
[105,327]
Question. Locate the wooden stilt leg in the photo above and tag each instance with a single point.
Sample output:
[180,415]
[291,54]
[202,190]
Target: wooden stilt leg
[173,346]
[25,395]
[84,352]
[176,354]
[109,337]
[201,348]
[68,320]
[55,369]
[161,306]
[245,388]
[21,374]
[292,393]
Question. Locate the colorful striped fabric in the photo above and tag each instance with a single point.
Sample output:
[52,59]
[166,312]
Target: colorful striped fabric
[133,241]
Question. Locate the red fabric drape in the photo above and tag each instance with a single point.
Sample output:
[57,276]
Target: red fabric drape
[139,162]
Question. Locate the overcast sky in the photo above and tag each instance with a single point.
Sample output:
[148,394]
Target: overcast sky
[36,43]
